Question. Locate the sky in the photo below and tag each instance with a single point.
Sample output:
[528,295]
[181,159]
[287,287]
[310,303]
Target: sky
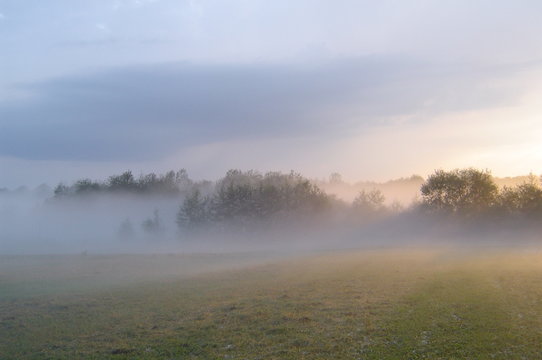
[373,90]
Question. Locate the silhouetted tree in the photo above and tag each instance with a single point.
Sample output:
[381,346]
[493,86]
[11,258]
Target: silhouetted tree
[243,199]
[193,212]
[123,182]
[153,226]
[466,191]
[524,199]
[85,186]
[61,190]
[170,183]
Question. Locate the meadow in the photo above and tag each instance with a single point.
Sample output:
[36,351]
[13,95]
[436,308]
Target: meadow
[414,303]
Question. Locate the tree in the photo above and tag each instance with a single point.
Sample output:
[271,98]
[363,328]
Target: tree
[123,182]
[524,199]
[461,191]
[193,212]
[182,179]
[170,183]
[370,204]
[61,190]
[335,178]
[244,199]
[153,226]
[85,186]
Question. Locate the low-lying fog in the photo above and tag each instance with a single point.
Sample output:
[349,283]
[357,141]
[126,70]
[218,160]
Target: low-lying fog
[31,224]
[234,216]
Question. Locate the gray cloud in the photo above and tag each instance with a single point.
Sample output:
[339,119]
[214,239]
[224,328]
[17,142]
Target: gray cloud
[147,112]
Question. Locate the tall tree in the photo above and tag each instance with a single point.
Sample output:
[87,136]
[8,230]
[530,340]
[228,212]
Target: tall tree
[461,191]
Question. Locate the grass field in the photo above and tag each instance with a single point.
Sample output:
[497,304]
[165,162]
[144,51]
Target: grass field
[374,304]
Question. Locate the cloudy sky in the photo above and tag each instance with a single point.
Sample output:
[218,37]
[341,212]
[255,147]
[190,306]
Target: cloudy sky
[370,89]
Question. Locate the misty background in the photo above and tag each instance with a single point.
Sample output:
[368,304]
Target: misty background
[251,211]
[270,179]
[354,95]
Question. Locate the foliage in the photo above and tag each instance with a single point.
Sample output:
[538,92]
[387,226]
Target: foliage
[461,191]
[193,211]
[369,201]
[61,190]
[86,186]
[153,226]
[471,192]
[169,183]
[522,200]
[245,198]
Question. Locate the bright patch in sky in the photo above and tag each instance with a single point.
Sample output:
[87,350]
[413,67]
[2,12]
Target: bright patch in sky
[373,90]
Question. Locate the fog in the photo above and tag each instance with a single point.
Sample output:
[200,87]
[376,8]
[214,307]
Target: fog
[331,214]
[35,224]
[31,224]
[270,179]
[125,233]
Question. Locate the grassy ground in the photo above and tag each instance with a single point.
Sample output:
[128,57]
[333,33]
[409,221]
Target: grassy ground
[385,304]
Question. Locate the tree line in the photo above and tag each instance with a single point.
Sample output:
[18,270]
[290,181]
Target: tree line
[473,193]
[244,200]
[170,183]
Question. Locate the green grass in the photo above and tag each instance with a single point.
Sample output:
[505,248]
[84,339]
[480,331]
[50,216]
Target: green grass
[366,305]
